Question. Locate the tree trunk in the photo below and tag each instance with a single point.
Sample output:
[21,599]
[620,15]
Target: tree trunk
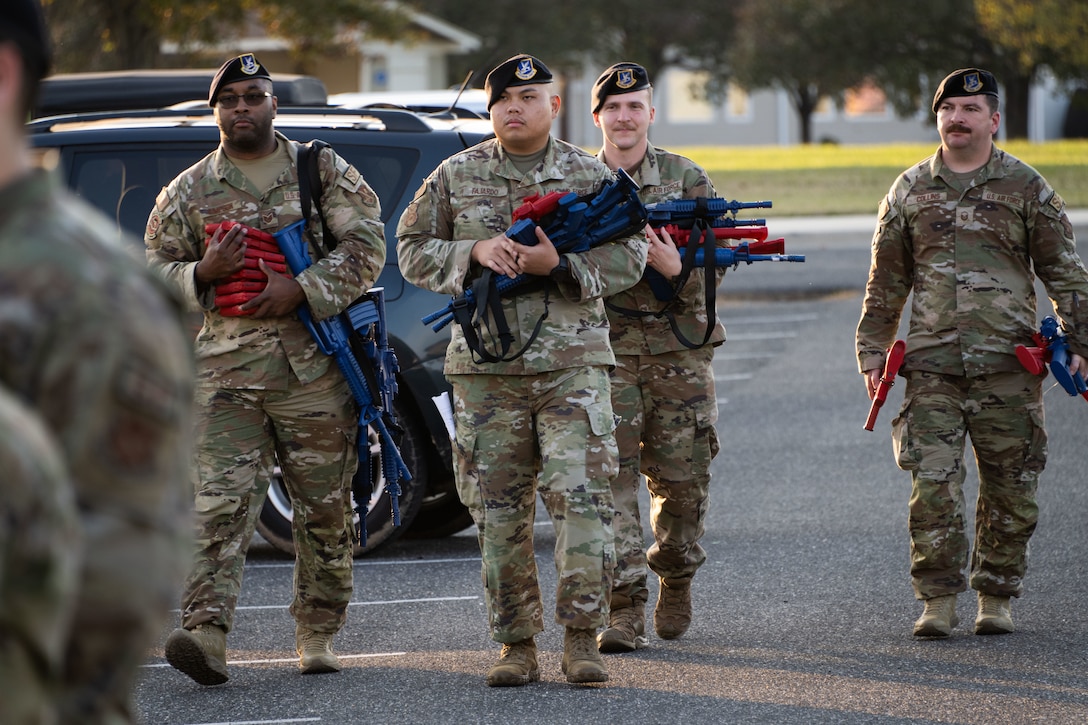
[137,37]
[1015,102]
[804,102]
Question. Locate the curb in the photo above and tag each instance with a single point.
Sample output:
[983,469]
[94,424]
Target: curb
[859,223]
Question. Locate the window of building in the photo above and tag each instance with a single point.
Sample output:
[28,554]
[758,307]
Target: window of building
[865,100]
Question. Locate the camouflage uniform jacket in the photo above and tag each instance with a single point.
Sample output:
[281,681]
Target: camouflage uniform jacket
[664,176]
[93,342]
[242,352]
[968,258]
[471,196]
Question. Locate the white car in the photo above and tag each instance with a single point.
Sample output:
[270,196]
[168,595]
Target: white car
[471,101]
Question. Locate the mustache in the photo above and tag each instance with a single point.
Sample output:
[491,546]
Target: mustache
[958,128]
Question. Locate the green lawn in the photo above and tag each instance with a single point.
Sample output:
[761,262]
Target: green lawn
[829,179]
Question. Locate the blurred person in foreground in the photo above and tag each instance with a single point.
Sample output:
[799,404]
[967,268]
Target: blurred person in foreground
[966,231]
[40,553]
[94,345]
[540,421]
[662,383]
[265,392]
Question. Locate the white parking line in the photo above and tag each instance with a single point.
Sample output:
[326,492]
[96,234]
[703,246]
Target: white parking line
[261,722]
[256,607]
[360,604]
[771,320]
[769,335]
[365,562]
[718,357]
[290,661]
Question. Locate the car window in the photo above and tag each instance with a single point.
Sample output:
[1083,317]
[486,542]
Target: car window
[387,169]
[123,181]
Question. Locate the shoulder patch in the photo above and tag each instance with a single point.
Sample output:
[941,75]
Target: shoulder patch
[154,224]
[1057,202]
[411,216]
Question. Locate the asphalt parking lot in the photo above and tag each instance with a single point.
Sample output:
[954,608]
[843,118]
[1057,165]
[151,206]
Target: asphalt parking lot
[803,611]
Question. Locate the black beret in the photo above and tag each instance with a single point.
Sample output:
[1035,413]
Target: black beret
[21,21]
[521,70]
[965,82]
[620,78]
[242,68]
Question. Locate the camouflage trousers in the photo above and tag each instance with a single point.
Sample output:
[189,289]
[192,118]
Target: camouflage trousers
[667,408]
[1003,415]
[311,430]
[551,433]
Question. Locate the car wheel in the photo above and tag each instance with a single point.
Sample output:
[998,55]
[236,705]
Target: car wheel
[275,521]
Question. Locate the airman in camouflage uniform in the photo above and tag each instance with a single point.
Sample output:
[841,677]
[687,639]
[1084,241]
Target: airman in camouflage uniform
[92,342]
[541,421]
[40,554]
[963,231]
[662,389]
[265,393]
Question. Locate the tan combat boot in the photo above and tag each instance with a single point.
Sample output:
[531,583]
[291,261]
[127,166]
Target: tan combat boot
[582,662]
[315,653]
[672,615]
[938,618]
[516,666]
[200,653]
[626,626]
[994,615]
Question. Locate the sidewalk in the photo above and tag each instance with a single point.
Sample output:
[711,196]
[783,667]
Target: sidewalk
[858,223]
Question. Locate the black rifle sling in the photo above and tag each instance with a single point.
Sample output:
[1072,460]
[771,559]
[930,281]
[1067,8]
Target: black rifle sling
[701,237]
[488,306]
[310,187]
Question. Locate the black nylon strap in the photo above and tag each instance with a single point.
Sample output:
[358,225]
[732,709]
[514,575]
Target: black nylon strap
[701,237]
[487,311]
[310,190]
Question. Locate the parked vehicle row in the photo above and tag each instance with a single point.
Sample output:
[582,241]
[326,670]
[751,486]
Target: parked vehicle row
[119,160]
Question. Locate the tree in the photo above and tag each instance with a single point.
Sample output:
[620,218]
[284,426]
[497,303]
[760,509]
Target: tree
[118,34]
[799,47]
[1044,32]
[813,48]
[567,34]
[1027,37]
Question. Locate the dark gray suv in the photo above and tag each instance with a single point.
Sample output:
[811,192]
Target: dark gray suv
[118,161]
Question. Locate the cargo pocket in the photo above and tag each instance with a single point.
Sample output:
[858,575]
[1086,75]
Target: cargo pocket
[906,453]
[601,420]
[602,452]
[1035,460]
[465,477]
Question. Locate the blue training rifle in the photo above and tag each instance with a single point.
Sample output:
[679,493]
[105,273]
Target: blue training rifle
[363,320]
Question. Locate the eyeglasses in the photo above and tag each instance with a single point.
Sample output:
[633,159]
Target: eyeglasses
[252,99]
